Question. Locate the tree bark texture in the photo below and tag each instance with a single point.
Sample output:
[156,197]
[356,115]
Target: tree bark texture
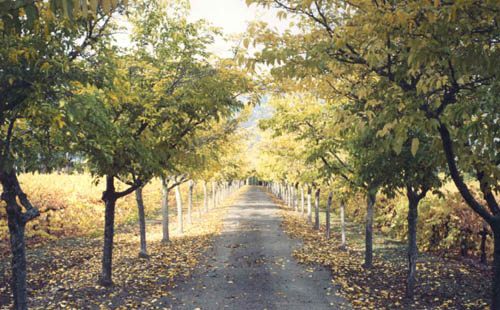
[484,235]
[18,246]
[142,223]
[342,224]
[109,197]
[328,207]
[17,220]
[370,202]
[190,202]
[302,203]
[164,210]
[495,305]
[178,199]
[213,195]
[316,209]
[205,196]
[412,245]
[309,209]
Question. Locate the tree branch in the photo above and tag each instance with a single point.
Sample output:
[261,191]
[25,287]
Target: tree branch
[457,178]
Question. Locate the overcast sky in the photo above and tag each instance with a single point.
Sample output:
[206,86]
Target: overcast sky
[232,16]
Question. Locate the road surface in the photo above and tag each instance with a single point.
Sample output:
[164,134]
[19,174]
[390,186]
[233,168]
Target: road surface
[251,266]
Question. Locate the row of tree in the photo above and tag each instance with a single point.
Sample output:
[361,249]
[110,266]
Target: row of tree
[388,96]
[161,107]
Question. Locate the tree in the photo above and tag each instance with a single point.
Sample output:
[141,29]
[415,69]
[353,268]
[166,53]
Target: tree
[21,15]
[407,45]
[36,71]
[142,223]
[327,143]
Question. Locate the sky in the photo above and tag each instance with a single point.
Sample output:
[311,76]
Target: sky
[232,16]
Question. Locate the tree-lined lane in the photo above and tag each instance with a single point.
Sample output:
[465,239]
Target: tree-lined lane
[251,266]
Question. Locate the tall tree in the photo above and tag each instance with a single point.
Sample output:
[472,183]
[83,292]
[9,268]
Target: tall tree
[36,69]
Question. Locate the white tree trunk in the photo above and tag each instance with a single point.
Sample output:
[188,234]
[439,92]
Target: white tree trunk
[342,223]
[205,196]
[213,195]
[309,208]
[302,207]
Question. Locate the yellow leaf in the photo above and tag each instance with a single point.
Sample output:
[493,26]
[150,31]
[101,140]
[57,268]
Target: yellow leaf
[45,67]
[13,57]
[93,6]
[106,6]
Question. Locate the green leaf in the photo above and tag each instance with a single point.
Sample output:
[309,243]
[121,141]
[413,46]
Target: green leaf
[414,146]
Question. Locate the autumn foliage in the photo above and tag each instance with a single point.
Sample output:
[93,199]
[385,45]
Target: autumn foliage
[63,271]
[443,283]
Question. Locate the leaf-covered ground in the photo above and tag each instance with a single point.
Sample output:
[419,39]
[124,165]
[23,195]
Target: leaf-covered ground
[63,274]
[442,283]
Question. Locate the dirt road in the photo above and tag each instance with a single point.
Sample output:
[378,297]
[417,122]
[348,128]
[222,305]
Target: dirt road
[251,266]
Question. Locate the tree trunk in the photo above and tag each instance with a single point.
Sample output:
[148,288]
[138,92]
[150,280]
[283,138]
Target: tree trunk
[19,273]
[219,193]
[370,201]
[316,209]
[205,196]
[164,210]
[109,197]
[328,206]
[288,200]
[190,202]
[17,220]
[309,209]
[484,235]
[142,223]
[342,224]
[213,195]
[302,206]
[412,245]
[17,244]
[495,305]
[296,197]
[178,199]
[290,196]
